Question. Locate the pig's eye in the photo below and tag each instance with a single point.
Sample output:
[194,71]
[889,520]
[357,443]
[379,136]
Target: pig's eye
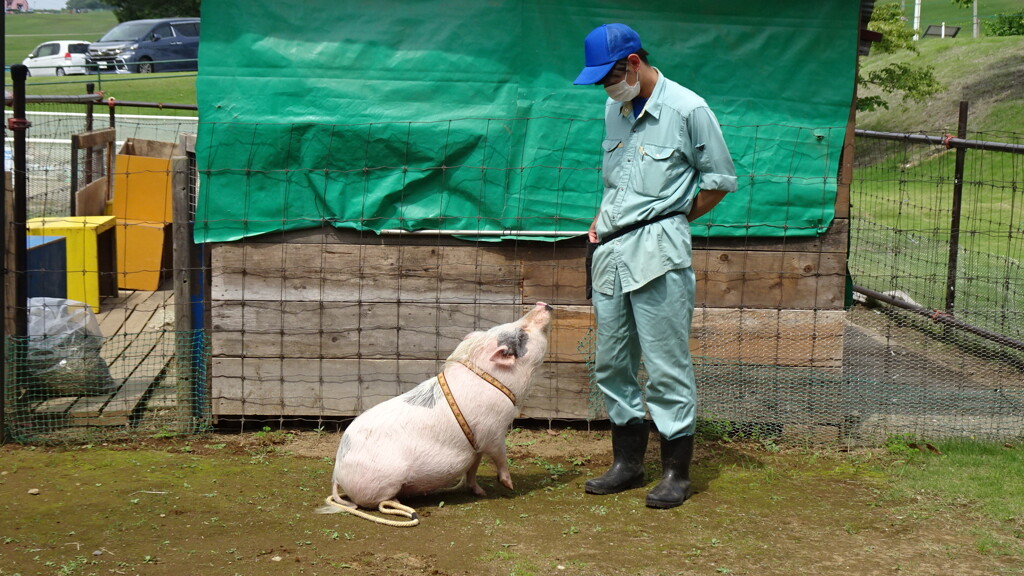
[515,342]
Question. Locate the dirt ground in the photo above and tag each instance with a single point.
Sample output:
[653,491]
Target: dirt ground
[243,504]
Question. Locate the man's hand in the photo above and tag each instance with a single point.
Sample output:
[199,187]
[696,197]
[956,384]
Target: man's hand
[592,233]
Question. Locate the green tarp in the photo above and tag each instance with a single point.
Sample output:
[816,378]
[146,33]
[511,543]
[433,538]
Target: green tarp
[461,114]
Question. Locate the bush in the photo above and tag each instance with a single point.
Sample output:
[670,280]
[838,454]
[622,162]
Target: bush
[1006,25]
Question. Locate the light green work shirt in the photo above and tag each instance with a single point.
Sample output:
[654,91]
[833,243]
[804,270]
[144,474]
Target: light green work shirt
[655,164]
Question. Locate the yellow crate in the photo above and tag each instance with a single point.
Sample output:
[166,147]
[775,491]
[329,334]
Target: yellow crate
[91,254]
[143,254]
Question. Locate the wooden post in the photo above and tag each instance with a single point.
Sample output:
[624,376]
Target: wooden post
[182,268]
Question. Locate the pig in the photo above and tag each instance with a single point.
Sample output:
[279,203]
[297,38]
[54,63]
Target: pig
[413,444]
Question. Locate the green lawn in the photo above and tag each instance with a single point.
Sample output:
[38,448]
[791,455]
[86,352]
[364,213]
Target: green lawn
[166,88]
[23,32]
[938,11]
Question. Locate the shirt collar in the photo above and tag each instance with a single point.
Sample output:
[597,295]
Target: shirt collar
[653,106]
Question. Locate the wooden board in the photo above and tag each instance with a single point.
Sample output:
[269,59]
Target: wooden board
[114,409]
[749,276]
[95,138]
[345,273]
[127,399]
[253,386]
[331,322]
[373,330]
[346,386]
[424,332]
[91,200]
[781,280]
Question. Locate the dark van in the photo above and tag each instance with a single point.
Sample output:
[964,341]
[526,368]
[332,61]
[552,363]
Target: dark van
[144,46]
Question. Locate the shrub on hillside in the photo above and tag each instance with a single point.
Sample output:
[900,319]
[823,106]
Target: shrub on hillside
[1006,25]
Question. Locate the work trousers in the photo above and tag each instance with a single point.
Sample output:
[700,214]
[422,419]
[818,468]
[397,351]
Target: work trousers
[654,321]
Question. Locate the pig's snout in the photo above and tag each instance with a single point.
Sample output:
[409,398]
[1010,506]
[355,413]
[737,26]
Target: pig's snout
[539,316]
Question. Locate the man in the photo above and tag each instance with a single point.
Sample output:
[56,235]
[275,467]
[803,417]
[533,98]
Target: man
[665,165]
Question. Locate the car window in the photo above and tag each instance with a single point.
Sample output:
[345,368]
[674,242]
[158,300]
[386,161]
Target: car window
[78,48]
[125,31]
[186,29]
[163,30]
[47,50]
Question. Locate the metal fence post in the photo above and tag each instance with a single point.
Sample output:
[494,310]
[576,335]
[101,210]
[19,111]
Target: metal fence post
[954,226]
[14,232]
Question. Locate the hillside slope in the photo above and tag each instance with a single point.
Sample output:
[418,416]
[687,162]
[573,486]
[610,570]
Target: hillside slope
[987,72]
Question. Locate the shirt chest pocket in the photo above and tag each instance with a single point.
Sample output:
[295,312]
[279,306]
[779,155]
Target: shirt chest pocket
[612,166]
[660,169]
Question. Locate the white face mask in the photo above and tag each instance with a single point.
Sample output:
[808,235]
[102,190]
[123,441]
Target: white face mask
[622,91]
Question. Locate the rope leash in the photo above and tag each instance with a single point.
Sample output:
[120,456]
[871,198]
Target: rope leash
[386,507]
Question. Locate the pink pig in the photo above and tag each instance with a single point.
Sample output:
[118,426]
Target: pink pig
[415,443]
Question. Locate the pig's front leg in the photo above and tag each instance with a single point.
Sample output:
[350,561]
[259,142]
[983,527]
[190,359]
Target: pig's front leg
[501,463]
[471,476]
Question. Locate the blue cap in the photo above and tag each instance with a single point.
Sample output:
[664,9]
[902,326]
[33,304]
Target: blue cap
[604,46]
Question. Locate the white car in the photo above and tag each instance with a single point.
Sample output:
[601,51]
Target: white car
[57,58]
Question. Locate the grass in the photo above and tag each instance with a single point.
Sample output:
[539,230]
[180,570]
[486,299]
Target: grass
[26,31]
[167,88]
[981,477]
[23,32]
[985,72]
[938,11]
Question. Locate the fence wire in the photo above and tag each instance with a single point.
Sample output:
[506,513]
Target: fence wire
[930,356]
[305,329]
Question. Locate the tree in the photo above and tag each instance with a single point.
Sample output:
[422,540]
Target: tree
[915,83]
[139,9]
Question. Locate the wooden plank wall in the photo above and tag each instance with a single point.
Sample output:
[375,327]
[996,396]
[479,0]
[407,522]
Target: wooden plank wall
[326,322]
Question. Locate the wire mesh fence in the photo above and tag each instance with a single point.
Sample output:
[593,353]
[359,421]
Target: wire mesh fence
[937,348]
[318,324]
[49,148]
[94,355]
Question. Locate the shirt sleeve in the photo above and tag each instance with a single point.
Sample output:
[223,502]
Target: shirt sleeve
[710,152]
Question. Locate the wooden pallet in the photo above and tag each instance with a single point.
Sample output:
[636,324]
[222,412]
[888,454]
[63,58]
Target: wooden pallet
[115,409]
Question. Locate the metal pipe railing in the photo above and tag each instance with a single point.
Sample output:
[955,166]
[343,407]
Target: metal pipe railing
[947,141]
[941,317]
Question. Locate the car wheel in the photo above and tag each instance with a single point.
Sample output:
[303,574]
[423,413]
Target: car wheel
[60,71]
[145,67]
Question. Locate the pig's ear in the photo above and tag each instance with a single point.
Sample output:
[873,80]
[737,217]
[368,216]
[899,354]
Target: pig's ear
[503,357]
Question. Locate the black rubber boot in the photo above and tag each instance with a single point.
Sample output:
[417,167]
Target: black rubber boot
[674,487]
[629,443]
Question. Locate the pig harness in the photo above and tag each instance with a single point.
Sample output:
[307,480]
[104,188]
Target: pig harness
[455,407]
[392,506]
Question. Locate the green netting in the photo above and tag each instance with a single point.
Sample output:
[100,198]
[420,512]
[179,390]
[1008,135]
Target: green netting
[461,115]
[82,389]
